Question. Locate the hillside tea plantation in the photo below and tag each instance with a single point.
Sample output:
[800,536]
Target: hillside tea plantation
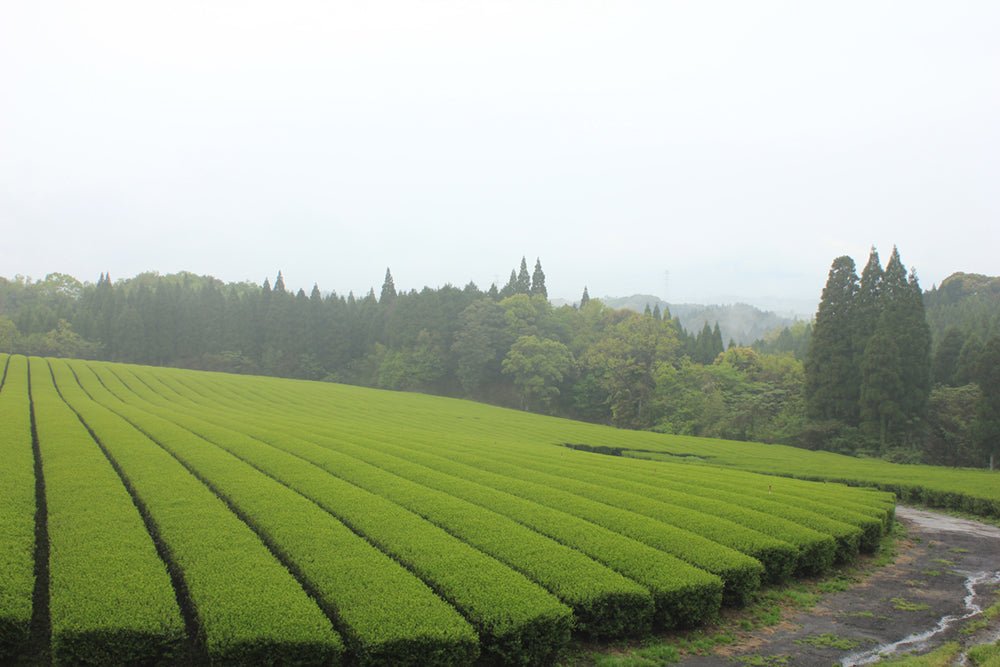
[152,515]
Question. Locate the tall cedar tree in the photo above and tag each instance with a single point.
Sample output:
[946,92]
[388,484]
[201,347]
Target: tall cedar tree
[868,306]
[881,386]
[523,280]
[538,280]
[832,376]
[388,289]
[904,321]
[585,299]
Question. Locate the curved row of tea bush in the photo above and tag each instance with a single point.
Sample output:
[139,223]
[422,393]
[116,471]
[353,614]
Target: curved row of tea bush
[249,607]
[516,619]
[848,536]
[604,602]
[740,573]
[387,615]
[683,595]
[110,596]
[425,530]
[970,490]
[849,540]
[818,550]
[17,507]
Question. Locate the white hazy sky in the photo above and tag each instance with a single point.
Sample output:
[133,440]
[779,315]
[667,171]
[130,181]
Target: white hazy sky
[739,146]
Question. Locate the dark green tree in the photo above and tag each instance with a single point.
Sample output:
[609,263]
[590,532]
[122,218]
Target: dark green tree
[832,378]
[945,362]
[279,283]
[388,294]
[538,280]
[585,299]
[881,386]
[988,412]
[868,304]
[523,280]
[967,367]
[510,289]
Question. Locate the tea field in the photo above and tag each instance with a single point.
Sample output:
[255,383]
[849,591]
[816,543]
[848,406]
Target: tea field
[153,515]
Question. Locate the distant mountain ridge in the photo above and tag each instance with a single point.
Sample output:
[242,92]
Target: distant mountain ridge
[740,322]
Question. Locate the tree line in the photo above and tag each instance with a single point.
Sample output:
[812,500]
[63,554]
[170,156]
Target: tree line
[860,390]
[876,385]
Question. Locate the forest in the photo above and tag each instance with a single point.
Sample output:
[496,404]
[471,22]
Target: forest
[884,370]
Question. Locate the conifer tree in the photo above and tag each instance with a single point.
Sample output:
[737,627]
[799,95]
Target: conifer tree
[493,292]
[523,280]
[832,378]
[904,321]
[647,312]
[388,289]
[657,315]
[868,305]
[266,288]
[881,385]
[314,295]
[538,280]
[717,345]
[585,299]
[279,283]
[510,289]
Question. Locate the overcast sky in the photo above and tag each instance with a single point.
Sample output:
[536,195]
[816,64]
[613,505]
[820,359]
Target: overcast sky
[698,151]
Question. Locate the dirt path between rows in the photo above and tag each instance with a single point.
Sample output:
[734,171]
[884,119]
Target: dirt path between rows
[948,569]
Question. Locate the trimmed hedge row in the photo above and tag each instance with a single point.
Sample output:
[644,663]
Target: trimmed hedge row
[865,531]
[17,507]
[518,621]
[387,615]
[740,573]
[848,537]
[778,556]
[871,523]
[604,602]
[249,608]
[848,540]
[683,595]
[816,550]
[110,596]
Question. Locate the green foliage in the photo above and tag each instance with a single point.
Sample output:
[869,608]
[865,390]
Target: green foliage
[828,640]
[538,366]
[902,604]
[434,508]
[832,380]
[17,507]
[249,607]
[385,613]
[945,364]
[111,599]
[988,426]
[951,421]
